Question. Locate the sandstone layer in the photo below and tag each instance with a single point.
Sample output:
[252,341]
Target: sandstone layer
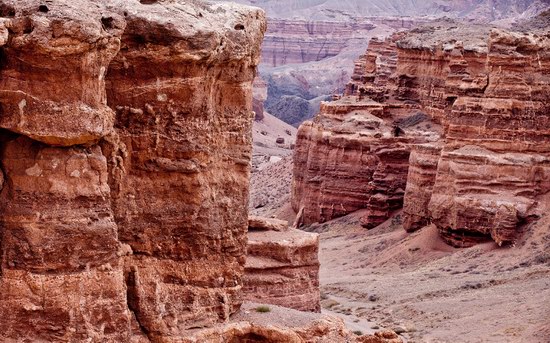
[494,166]
[301,41]
[484,179]
[282,266]
[355,153]
[125,149]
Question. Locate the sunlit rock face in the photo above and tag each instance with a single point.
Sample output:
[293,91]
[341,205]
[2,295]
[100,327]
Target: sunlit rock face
[470,102]
[125,150]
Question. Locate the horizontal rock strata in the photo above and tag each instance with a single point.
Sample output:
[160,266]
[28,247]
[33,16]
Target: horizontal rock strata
[282,266]
[488,89]
[283,325]
[125,146]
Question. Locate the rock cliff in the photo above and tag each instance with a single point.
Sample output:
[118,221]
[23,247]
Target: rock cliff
[301,41]
[494,167]
[125,149]
[479,177]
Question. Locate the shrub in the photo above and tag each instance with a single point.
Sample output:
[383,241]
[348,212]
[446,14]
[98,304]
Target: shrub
[263,309]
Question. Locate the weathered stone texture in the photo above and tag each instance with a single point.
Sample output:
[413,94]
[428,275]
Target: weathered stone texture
[489,90]
[125,150]
[282,266]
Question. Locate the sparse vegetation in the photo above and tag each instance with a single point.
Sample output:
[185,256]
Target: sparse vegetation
[263,309]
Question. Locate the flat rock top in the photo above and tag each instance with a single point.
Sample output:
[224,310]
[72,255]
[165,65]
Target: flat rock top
[289,237]
[448,33]
[277,316]
[196,27]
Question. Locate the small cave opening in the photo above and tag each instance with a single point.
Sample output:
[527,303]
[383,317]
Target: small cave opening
[43,9]
[3,64]
[7,11]
[451,100]
[107,23]
[148,2]
[239,27]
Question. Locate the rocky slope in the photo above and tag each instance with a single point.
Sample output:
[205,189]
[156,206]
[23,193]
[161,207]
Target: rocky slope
[488,88]
[430,292]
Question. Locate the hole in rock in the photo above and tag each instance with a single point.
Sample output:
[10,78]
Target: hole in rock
[7,11]
[148,2]
[451,100]
[239,27]
[43,9]
[28,30]
[3,58]
[107,23]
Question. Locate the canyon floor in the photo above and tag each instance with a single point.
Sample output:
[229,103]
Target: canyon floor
[416,284]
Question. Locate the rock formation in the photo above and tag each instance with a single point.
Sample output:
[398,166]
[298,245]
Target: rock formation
[336,10]
[355,153]
[301,41]
[495,164]
[489,89]
[125,148]
[282,266]
[420,181]
[283,325]
[259,97]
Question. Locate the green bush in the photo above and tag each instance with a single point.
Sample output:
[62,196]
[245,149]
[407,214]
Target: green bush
[263,309]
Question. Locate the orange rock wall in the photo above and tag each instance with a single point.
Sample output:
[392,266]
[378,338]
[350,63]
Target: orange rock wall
[125,149]
[483,176]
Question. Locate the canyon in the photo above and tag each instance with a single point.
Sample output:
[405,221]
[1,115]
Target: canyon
[125,154]
[148,195]
[427,182]
[310,46]
[472,108]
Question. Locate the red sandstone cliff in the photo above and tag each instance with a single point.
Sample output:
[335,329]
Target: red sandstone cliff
[125,148]
[484,179]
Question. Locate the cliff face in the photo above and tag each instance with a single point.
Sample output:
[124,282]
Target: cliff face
[489,89]
[125,149]
[495,164]
[355,152]
[300,41]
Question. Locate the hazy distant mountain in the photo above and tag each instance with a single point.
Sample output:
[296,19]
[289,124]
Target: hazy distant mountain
[310,45]
[488,10]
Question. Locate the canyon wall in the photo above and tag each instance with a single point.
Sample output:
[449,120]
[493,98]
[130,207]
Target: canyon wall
[125,151]
[354,155]
[479,176]
[301,41]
